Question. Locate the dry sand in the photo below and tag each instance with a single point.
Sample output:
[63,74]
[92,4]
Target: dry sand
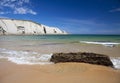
[57,73]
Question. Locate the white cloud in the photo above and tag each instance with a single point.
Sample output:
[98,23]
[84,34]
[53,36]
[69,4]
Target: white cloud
[115,10]
[24,11]
[16,7]
[20,11]
[12,3]
[21,2]
[32,12]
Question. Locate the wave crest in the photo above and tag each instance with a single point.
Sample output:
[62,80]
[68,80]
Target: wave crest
[110,44]
[24,57]
[116,62]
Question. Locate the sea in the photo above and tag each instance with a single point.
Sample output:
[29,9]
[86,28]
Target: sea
[33,57]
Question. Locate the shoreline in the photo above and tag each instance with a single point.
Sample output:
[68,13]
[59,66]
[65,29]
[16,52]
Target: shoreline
[20,50]
[43,53]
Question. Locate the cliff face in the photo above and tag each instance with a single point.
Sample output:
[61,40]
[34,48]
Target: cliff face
[25,27]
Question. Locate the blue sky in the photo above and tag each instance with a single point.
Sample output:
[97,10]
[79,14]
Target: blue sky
[73,16]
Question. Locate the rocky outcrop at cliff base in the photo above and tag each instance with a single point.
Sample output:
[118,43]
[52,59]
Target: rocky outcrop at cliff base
[90,58]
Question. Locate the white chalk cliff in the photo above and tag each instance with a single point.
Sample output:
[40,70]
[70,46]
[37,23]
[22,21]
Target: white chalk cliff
[26,27]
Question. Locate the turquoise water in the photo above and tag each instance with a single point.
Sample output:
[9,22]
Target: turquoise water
[63,38]
[38,40]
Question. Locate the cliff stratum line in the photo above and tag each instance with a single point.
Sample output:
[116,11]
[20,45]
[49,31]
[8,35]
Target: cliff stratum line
[26,27]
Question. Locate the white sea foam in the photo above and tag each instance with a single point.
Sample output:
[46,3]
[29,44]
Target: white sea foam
[110,44]
[24,57]
[116,62]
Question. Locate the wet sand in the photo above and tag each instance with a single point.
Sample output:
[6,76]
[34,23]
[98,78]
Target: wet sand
[69,47]
[57,73]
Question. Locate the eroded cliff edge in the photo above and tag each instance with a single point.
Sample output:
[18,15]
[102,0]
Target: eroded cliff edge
[26,27]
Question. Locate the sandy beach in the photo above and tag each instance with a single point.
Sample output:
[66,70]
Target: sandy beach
[62,72]
[57,73]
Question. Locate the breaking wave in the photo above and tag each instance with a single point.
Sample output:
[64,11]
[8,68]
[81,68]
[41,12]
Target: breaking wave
[110,44]
[116,62]
[24,57]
